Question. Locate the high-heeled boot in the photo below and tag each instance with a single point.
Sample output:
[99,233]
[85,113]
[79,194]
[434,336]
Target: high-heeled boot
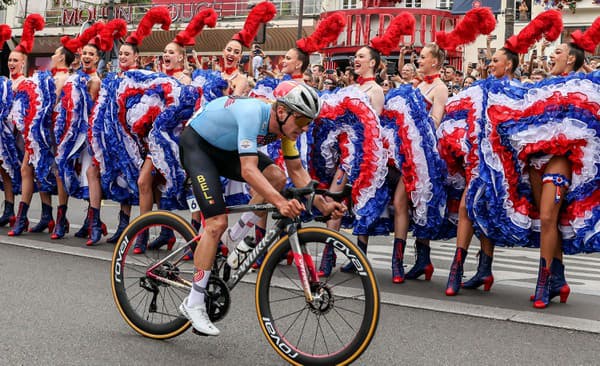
[21,222]
[484,275]
[97,228]
[123,222]
[349,267]
[422,264]
[46,221]
[327,261]
[456,272]
[62,224]
[166,237]
[398,260]
[542,289]
[8,217]
[141,242]
[558,283]
[84,231]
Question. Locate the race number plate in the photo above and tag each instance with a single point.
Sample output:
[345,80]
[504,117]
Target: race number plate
[192,203]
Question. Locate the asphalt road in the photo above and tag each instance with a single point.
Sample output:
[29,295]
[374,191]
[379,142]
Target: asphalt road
[57,309]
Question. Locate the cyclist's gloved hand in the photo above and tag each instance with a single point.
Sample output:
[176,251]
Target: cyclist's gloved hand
[292,208]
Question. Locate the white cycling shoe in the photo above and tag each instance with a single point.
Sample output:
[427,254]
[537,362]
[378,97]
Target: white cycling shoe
[199,318]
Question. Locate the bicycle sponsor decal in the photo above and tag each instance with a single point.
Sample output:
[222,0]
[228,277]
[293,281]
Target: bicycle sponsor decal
[118,265]
[357,264]
[277,339]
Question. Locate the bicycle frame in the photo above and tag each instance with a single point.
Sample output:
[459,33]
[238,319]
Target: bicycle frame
[302,259]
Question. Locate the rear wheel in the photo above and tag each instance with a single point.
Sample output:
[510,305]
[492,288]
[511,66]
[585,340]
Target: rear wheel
[148,305]
[339,324]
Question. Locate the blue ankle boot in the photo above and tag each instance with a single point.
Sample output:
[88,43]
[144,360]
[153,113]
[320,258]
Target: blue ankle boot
[141,242]
[21,222]
[46,221]
[327,261]
[542,289]
[349,267]
[422,264]
[123,222]
[96,227]
[484,274]
[456,272]
[8,217]
[398,260]
[84,231]
[166,237]
[62,224]
[558,283]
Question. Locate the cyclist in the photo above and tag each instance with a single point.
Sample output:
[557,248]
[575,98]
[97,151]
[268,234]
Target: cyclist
[222,140]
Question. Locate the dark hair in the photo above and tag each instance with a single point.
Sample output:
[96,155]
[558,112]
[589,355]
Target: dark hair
[375,56]
[69,56]
[134,47]
[512,57]
[468,77]
[303,57]
[579,55]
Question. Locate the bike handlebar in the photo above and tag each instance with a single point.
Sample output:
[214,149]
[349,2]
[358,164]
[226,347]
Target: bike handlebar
[311,190]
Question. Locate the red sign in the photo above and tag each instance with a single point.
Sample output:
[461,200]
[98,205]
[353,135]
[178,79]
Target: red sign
[366,24]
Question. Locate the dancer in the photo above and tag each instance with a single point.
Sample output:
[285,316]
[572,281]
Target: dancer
[9,154]
[34,119]
[174,62]
[93,227]
[477,21]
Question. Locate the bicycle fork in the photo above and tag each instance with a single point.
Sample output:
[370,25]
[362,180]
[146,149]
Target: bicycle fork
[304,263]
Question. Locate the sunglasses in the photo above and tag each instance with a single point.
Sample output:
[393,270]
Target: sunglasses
[301,120]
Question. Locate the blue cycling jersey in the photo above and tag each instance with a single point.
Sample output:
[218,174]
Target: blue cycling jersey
[231,123]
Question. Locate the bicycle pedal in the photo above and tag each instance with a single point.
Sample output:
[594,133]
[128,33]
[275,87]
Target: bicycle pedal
[196,332]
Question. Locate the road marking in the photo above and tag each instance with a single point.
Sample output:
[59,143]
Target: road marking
[390,298]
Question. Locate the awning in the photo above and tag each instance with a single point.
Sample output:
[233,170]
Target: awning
[211,41]
[462,6]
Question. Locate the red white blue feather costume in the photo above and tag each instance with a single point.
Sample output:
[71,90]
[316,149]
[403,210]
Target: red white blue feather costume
[137,115]
[32,114]
[561,116]
[348,134]
[409,136]
[10,156]
[70,131]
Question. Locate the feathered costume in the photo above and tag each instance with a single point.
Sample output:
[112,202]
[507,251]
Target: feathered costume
[10,155]
[71,125]
[32,109]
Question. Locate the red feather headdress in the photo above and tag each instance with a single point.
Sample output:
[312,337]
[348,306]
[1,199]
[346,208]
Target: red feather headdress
[589,39]
[157,15]
[327,32]
[475,22]
[88,35]
[33,23]
[260,13]
[115,29]
[402,25]
[5,34]
[187,36]
[549,24]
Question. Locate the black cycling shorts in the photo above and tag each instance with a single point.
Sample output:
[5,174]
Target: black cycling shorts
[205,163]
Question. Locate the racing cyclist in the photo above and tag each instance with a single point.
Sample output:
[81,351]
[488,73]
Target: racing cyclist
[222,140]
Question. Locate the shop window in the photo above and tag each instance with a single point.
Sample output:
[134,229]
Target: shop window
[523,11]
[412,3]
[445,4]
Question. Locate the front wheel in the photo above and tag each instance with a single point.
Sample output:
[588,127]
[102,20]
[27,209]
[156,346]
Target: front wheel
[339,324]
[148,305]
